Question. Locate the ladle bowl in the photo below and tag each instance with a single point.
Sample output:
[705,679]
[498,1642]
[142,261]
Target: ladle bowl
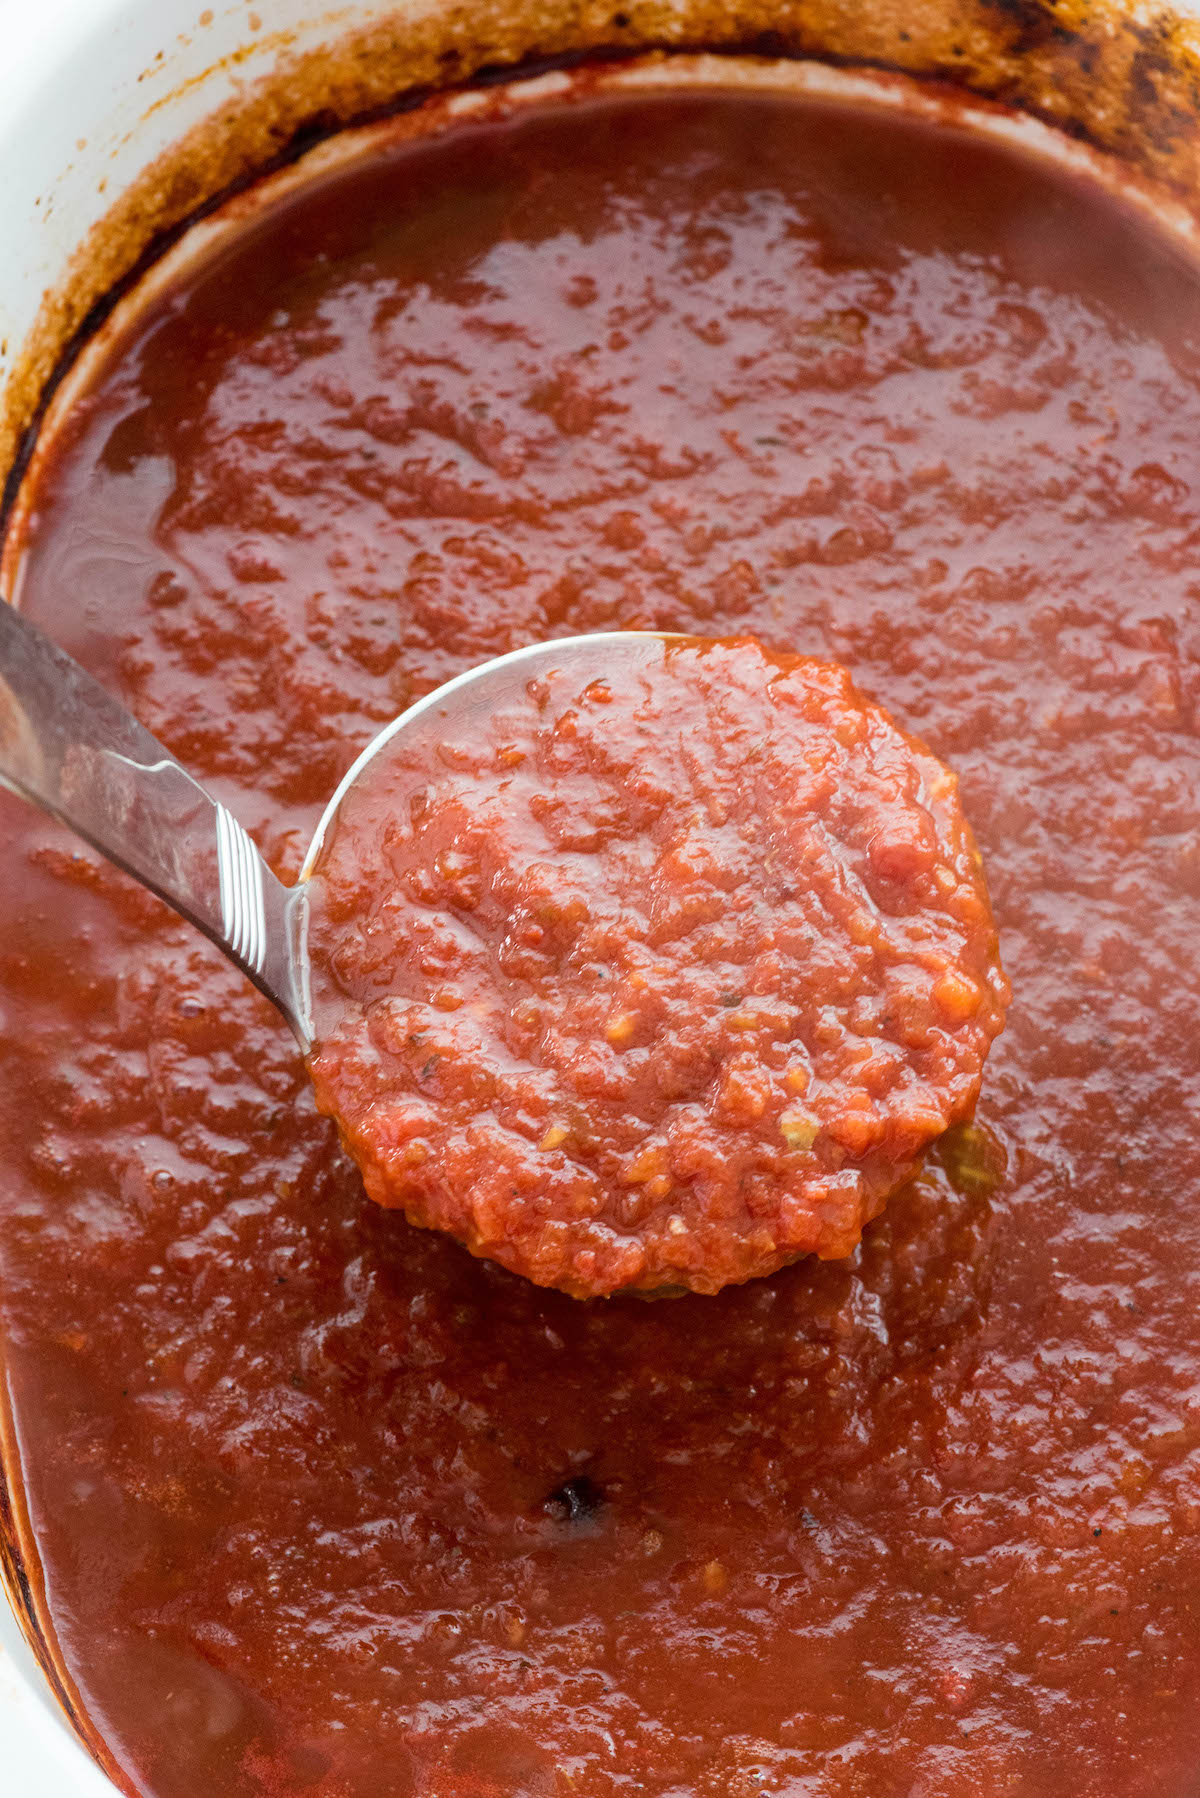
[68,746]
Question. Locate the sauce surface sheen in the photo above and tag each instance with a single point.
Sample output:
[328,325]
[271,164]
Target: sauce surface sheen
[324,1506]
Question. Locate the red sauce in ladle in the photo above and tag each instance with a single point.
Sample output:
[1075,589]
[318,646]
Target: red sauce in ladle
[657,968]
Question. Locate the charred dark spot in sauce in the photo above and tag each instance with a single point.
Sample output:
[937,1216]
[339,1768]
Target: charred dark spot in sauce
[1034,23]
[577,1500]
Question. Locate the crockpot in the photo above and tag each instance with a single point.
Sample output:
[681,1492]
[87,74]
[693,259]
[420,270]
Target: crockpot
[119,119]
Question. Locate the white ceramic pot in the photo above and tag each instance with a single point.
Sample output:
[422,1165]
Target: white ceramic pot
[91,93]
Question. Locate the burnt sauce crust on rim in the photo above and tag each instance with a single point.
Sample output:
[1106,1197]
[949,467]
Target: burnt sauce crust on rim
[1122,79]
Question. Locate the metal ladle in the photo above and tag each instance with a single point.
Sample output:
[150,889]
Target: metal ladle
[69,747]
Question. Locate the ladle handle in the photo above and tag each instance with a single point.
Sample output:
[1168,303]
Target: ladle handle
[69,747]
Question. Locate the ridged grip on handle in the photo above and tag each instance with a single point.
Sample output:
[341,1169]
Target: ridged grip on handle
[69,747]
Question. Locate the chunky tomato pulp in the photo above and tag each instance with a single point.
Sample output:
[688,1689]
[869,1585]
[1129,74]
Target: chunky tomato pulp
[322,1504]
[652,978]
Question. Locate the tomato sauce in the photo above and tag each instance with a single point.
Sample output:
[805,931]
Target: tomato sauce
[652,978]
[322,1504]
